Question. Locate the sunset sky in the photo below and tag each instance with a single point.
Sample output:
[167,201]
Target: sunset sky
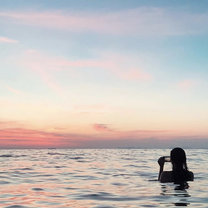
[112,73]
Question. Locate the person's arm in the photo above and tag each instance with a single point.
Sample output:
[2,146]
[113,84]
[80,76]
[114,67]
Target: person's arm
[161,162]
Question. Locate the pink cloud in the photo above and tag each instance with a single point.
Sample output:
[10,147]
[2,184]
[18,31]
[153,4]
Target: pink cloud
[132,74]
[187,84]
[21,137]
[7,124]
[111,133]
[12,135]
[7,40]
[102,127]
[138,21]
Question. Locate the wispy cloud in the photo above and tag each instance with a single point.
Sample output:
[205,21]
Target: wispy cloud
[95,108]
[117,65]
[44,66]
[138,21]
[13,90]
[7,40]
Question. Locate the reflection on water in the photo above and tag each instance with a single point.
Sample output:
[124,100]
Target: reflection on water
[81,178]
[177,193]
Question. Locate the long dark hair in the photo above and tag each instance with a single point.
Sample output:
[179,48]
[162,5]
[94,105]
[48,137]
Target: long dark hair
[180,169]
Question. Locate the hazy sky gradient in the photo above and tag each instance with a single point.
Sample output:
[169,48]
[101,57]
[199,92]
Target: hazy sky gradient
[111,73]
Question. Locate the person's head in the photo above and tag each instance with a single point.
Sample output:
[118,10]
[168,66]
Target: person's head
[178,160]
[178,157]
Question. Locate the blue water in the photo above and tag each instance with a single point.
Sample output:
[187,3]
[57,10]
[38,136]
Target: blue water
[99,178]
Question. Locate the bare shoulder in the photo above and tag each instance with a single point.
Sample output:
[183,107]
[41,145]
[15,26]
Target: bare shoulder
[191,176]
[166,176]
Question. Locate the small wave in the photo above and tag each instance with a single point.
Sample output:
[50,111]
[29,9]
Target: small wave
[126,158]
[37,189]
[18,170]
[6,155]
[107,197]
[76,158]
[10,155]
[118,184]
[25,169]
[123,174]
[4,182]
[57,196]
[55,153]
[153,179]
[86,177]
[44,175]
[134,166]
[20,155]
[57,166]
[70,188]
[16,206]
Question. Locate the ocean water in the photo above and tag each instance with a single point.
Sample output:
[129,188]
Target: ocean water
[99,178]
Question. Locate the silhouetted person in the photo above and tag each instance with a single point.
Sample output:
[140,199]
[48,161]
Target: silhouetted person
[180,172]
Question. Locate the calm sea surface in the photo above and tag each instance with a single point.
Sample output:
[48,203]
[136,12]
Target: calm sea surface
[96,178]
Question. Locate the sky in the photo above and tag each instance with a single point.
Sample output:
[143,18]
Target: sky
[102,74]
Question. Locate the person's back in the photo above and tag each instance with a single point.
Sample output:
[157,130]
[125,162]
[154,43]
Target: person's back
[167,176]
